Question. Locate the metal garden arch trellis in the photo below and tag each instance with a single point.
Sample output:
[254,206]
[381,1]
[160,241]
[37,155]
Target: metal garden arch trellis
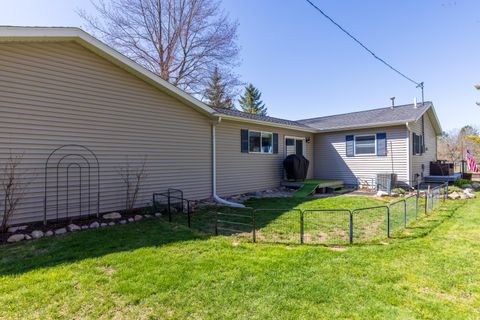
[71,160]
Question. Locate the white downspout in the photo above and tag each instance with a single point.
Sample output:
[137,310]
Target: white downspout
[214,170]
[409,154]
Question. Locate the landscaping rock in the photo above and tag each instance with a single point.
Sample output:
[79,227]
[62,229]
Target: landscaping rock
[17,228]
[467,186]
[394,194]
[470,195]
[111,223]
[16,238]
[73,227]
[94,225]
[454,195]
[28,237]
[463,196]
[36,234]
[158,215]
[468,190]
[60,231]
[103,225]
[381,193]
[130,220]
[85,227]
[112,216]
[476,185]
[123,221]
[138,217]
[49,233]
[147,216]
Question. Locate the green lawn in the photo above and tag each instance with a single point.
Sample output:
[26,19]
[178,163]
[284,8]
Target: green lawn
[151,269]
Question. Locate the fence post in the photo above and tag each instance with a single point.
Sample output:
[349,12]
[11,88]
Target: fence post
[188,214]
[169,210]
[426,199]
[404,213]
[388,222]
[301,226]
[416,204]
[254,235]
[351,227]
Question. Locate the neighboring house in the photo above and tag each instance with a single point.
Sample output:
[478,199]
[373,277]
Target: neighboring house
[61,86]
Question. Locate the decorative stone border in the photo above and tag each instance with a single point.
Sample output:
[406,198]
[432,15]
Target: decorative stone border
[115,219]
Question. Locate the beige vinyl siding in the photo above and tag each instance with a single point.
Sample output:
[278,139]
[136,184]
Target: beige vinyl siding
[331,161]
[239,172]
[60,93]
[430,144]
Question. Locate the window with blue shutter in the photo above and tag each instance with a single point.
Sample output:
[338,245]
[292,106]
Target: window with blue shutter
[381,144]
[244,140]
[349,146]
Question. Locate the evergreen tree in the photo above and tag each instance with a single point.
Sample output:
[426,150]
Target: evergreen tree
[216,93]
[251,102]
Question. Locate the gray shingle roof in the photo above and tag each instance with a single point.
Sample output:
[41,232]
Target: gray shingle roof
[237,113]
[368,118]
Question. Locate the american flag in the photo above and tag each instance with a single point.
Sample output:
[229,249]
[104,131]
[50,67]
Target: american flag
[471,163]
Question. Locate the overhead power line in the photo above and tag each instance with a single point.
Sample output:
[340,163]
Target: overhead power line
[418,84]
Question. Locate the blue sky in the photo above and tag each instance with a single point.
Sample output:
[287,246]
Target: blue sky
[305,67]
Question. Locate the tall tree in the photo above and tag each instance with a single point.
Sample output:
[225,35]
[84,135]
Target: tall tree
[180,40]
[217,94]
[251,102]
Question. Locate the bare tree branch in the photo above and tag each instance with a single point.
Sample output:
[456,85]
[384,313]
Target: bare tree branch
[180,40]
[133,179]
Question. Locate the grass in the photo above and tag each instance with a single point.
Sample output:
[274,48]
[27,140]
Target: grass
[278,219]
[152,269]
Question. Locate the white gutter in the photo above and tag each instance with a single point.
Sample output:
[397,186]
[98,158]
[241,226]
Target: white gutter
[214,170]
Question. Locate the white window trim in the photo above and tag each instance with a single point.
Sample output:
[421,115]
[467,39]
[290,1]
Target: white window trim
[355,144]
[304,144]
[261,147]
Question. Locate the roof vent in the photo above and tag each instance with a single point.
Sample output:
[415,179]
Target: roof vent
[415,102]
[393,102]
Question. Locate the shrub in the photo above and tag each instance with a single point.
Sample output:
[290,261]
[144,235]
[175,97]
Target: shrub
[454,189]
[461,182]
[399,190]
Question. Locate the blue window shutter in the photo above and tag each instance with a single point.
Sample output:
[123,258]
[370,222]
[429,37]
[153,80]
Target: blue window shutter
[275,143]
[244,140]
[381,144]
[349,146]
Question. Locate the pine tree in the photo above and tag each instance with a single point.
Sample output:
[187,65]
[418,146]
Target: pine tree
[251,102]
[216,94]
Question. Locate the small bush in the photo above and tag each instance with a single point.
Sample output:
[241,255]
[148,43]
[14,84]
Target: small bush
[454,189]
[461,182]
[399,190]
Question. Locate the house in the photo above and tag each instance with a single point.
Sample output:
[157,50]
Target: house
[80,113]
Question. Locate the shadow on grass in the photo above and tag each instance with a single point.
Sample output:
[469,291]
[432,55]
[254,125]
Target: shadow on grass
[23,257]
[425,224]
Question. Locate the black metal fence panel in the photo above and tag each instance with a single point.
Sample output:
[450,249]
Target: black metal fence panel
[278,225]
[328,226]
[295,226]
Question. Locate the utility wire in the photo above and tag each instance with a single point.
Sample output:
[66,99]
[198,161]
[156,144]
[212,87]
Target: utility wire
[418,84]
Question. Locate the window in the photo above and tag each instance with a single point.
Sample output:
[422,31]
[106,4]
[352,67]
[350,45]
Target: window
[290,142]
[418,147]
[365,144]
[260,142]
